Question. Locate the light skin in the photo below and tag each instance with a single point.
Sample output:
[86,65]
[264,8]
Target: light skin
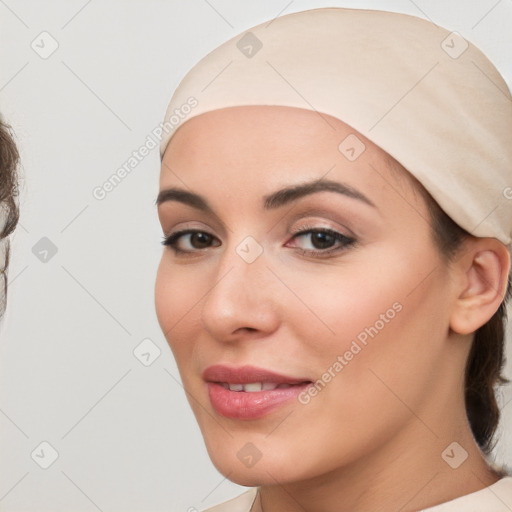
[372,439]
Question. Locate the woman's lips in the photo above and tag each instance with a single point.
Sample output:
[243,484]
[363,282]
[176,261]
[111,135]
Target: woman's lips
[248,392]
[248,405]
[246,374]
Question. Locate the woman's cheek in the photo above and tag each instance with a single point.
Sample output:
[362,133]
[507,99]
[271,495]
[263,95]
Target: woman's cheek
[160,298]
[343,306]
[174,299]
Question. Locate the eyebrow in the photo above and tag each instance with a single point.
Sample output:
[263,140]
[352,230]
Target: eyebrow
[272,201]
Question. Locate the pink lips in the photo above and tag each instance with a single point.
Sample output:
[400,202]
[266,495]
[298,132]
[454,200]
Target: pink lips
[247,405]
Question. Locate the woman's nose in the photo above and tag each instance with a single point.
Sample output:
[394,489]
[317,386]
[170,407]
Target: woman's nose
[244,294]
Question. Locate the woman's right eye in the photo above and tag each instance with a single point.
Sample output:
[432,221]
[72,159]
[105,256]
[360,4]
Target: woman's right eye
[188,240]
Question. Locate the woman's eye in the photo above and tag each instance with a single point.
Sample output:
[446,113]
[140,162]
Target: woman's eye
[322,241]
[188,240]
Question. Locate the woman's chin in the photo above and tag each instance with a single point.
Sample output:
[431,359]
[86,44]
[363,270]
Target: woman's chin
[244,469]
[247,478]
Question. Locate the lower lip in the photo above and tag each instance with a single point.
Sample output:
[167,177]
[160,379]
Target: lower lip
[244,405]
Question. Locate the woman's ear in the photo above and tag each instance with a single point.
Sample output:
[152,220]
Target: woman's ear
[483,267]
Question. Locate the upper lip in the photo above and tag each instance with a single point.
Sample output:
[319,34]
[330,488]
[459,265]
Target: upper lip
[247,374]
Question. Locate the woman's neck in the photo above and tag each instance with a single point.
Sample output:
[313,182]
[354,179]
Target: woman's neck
[412,471]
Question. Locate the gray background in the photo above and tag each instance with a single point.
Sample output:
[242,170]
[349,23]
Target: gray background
[125,436]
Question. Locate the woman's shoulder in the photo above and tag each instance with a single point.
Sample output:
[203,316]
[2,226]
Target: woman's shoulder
[242,503]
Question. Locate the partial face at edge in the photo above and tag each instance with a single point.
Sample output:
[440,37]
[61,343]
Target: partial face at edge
[376,296]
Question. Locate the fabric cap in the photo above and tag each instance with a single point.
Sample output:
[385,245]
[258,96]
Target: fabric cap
[423,94]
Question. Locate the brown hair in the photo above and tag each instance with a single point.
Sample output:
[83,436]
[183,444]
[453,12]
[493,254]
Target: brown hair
[486,359]
[9,158]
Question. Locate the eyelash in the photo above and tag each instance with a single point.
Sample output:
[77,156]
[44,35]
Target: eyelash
[172,241]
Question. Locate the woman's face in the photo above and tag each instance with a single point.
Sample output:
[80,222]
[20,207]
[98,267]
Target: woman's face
[364,320]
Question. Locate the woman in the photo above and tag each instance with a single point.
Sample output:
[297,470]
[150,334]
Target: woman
[9,211]
[333,286]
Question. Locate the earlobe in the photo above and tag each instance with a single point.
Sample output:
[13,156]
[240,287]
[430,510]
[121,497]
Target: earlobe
[485,267]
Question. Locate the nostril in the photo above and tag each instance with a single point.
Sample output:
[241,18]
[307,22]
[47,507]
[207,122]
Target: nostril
[249,329]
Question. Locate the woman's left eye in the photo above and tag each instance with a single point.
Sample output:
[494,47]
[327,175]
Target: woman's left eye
[323,241]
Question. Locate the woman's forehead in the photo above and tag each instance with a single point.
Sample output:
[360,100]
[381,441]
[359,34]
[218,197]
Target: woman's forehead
[276,127]
[264,148]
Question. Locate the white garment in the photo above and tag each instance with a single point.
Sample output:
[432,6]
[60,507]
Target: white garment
[242,503]
[495,498]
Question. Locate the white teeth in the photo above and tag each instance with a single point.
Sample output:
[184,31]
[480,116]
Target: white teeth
[253,386]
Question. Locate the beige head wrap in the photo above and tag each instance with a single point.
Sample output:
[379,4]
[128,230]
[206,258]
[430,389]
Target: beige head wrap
[426,96]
